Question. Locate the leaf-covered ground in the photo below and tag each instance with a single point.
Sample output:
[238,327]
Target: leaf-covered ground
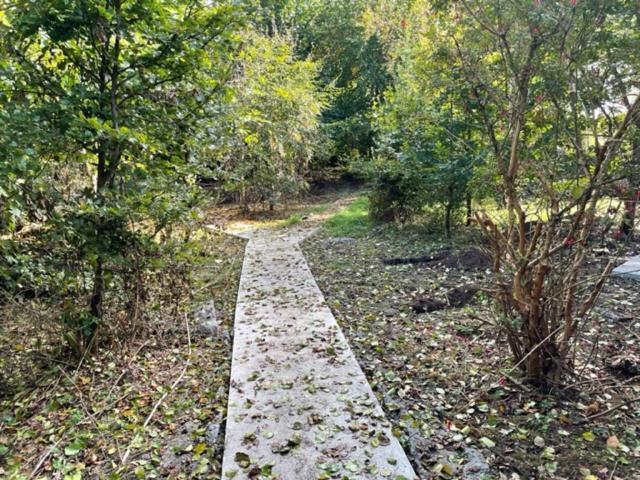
[97,420]
[444,377]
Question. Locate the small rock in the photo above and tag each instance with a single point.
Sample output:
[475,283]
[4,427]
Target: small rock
[170,460]
[172,454]
[390,312]
[337,240]
[180,442]
[476,467]
[212,433]
[190,427]
[206,319]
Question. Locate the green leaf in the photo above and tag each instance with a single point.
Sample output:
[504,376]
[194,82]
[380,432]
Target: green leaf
[74,447]
[487,442]
[352,466]
[242,459]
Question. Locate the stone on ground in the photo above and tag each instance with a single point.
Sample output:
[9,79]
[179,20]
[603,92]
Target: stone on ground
[206,319]
[300,407]
[629,269]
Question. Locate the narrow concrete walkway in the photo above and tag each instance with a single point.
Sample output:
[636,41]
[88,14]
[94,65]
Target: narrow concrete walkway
[300,407]
[629,269]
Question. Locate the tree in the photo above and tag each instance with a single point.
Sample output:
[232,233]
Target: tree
[270,129]
[542,81]
[108,95]
[356,68]
[352,62]
[428,148]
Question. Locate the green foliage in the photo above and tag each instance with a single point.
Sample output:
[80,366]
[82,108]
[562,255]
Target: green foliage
[399,192]
[269,130]
[353,62]
[291,220]
[427,149]
[550,89]
[100,102]
[114,111]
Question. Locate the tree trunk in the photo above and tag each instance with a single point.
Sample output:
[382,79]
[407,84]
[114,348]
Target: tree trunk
[109,156]
[629,217]
[98,290]
[447,220]
[631,203]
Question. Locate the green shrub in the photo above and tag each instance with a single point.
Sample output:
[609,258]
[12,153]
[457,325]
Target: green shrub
[397,196]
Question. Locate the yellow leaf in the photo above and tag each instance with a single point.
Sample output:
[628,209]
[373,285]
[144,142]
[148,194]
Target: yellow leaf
[448,469]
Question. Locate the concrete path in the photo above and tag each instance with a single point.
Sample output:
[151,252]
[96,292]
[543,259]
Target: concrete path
[630,269]
[300,407]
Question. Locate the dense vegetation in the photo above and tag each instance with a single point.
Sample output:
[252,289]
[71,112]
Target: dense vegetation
[122,120]
[115,115]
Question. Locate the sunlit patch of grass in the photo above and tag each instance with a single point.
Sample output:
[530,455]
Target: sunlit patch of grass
[291,220]
[352,220]
[284,216]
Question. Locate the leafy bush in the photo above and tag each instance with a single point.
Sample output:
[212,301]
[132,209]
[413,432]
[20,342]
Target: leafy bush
[552,97]
[398,194]
[428,152]
[269,131]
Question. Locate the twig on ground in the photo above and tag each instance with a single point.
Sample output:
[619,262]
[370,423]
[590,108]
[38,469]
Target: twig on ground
[517,382]
[612,409]
[613,472]
[630,331]
[165,394]
[43,459]
[125,370]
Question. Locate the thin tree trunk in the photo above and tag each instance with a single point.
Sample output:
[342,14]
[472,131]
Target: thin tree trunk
[631,203]
[447,219]
[98,290]
[109,156]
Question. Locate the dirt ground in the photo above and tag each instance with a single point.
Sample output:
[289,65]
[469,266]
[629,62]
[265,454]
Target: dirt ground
[444,376]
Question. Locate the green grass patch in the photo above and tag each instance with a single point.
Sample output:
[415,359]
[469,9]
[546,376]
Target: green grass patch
[352,220]
[291,220]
